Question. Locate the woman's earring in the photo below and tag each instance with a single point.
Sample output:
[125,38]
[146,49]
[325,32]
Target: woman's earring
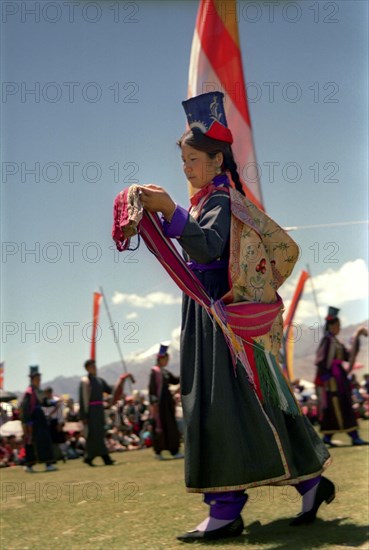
[218,170]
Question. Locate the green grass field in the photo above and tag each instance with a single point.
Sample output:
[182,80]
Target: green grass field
[142,503]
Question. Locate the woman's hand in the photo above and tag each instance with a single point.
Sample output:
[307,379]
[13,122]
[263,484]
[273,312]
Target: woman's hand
[156,199]
[124,377]
[362,331]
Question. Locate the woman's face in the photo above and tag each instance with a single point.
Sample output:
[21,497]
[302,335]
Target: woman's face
[199,167]
[335,328]
[36,381]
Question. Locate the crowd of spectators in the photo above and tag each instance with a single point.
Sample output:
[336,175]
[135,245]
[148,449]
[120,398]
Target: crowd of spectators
[128,424]
[128,427]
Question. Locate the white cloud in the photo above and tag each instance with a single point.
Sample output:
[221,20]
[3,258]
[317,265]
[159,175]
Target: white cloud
[141,355]
[147,302]
[175,338]
[335,288]
[132,315]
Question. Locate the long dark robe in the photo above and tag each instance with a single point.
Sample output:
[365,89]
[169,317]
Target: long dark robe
[166,433]
[333,387]
[232,441]
[38,444]
[95,416]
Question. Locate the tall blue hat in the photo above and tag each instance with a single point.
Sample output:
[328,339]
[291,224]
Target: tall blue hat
[33,371]
[163,349]
[206,112]
[332,313]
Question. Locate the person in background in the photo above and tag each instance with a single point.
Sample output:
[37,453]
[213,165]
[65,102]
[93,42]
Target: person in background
[91,411]
[36,431]
[162,406]
[70,414]
[143,409]
[5,455]
[333,387]
[75,445]
[146,434]
[53,408]
[365,383]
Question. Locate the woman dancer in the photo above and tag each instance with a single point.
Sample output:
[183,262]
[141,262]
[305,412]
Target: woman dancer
[233,438]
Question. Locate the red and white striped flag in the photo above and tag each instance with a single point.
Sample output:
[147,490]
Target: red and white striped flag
[95,322]
[216,65]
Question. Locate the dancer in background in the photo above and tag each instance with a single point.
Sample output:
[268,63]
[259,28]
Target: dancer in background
[333,387]
[91,411]
[38,443]
[162,405]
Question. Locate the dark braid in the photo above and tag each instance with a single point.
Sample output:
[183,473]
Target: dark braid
[196,139]
[229,164]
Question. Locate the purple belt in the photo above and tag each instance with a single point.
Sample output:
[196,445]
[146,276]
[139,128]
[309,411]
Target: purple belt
[215,264]
[96,403]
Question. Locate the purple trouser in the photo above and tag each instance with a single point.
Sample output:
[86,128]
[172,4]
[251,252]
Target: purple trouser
[305,486]
[228,505]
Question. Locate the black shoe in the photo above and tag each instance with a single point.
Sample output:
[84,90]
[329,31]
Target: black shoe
[108,461]
[325,492]
[359,441]
[233,529]
[88,461]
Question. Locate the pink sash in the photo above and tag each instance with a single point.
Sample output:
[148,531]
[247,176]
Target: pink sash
[239,321]
[246,319]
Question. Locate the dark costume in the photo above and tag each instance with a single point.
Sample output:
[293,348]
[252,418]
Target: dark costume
[166,433]
[53,410]
[38,442]
[243,427]
[92,409]
[333,387]
[232,441]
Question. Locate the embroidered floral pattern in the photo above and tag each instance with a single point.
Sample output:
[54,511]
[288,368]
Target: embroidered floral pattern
[261,266]
[262,256]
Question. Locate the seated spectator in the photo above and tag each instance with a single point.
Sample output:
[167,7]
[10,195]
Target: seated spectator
[4,454]
[75,445]
[21,452]
[70,412]
[3,415]
[53,408]
[133,421]
[130,440]
[365,383]
[15,413]
[142,407]
[111,423]
[112,444]
[146,434]
[18,448]
[10,446]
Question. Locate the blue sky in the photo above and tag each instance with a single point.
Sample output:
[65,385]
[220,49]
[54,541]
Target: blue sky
[91,103]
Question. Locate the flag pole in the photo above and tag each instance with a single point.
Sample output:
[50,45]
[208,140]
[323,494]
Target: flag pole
[314,294]
[319,225]
[116,339]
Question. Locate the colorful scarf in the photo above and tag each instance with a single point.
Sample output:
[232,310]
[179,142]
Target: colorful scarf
[127,216]
[241,321]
